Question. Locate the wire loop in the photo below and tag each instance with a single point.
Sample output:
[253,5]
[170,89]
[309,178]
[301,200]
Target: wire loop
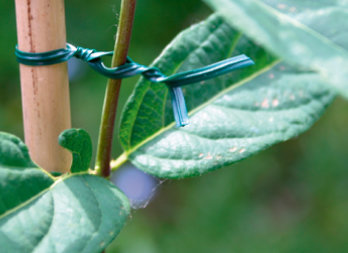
[131,68]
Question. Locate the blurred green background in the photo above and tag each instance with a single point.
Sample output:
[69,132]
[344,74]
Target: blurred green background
[292,197]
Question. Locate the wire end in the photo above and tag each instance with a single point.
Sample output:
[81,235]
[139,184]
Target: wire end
[179,106]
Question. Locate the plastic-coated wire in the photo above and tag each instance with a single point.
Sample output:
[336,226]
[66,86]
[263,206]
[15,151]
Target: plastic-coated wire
[131,68]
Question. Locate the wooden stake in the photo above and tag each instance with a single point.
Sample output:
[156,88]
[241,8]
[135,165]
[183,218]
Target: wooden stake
[45,89]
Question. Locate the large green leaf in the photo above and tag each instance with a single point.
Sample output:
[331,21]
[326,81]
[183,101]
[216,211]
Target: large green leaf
[312,34]
[232,117]
[82,213]
[75,213]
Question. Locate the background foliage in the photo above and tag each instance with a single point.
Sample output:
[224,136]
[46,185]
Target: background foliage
[292,197]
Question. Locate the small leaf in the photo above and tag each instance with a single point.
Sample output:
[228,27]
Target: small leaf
[231,117]
[79,143]
[310,34]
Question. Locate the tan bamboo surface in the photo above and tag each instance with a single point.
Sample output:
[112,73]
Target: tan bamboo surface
[45,89]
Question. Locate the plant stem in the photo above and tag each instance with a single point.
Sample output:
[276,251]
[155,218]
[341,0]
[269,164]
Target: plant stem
[123,37]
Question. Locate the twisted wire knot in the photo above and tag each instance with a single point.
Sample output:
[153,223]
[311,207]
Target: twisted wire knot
[84,53]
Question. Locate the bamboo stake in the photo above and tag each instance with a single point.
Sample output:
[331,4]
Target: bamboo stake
[45,89]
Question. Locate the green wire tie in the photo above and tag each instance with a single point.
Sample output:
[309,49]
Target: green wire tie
[131,68]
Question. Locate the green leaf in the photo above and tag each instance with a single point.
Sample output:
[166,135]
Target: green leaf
[79,143]
[311,34]
[232,117]
[17,154]
[76,213]
[80,213]
[20,179]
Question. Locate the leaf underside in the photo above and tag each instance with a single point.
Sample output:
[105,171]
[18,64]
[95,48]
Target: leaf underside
[306,33]
[232,117]
[75,213]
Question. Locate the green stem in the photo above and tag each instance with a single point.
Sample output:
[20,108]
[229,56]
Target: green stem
[123,37]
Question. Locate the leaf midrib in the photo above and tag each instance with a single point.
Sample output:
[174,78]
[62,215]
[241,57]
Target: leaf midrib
[26,169]
[234,44]
[33,198]
[174,71]
[116,164]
